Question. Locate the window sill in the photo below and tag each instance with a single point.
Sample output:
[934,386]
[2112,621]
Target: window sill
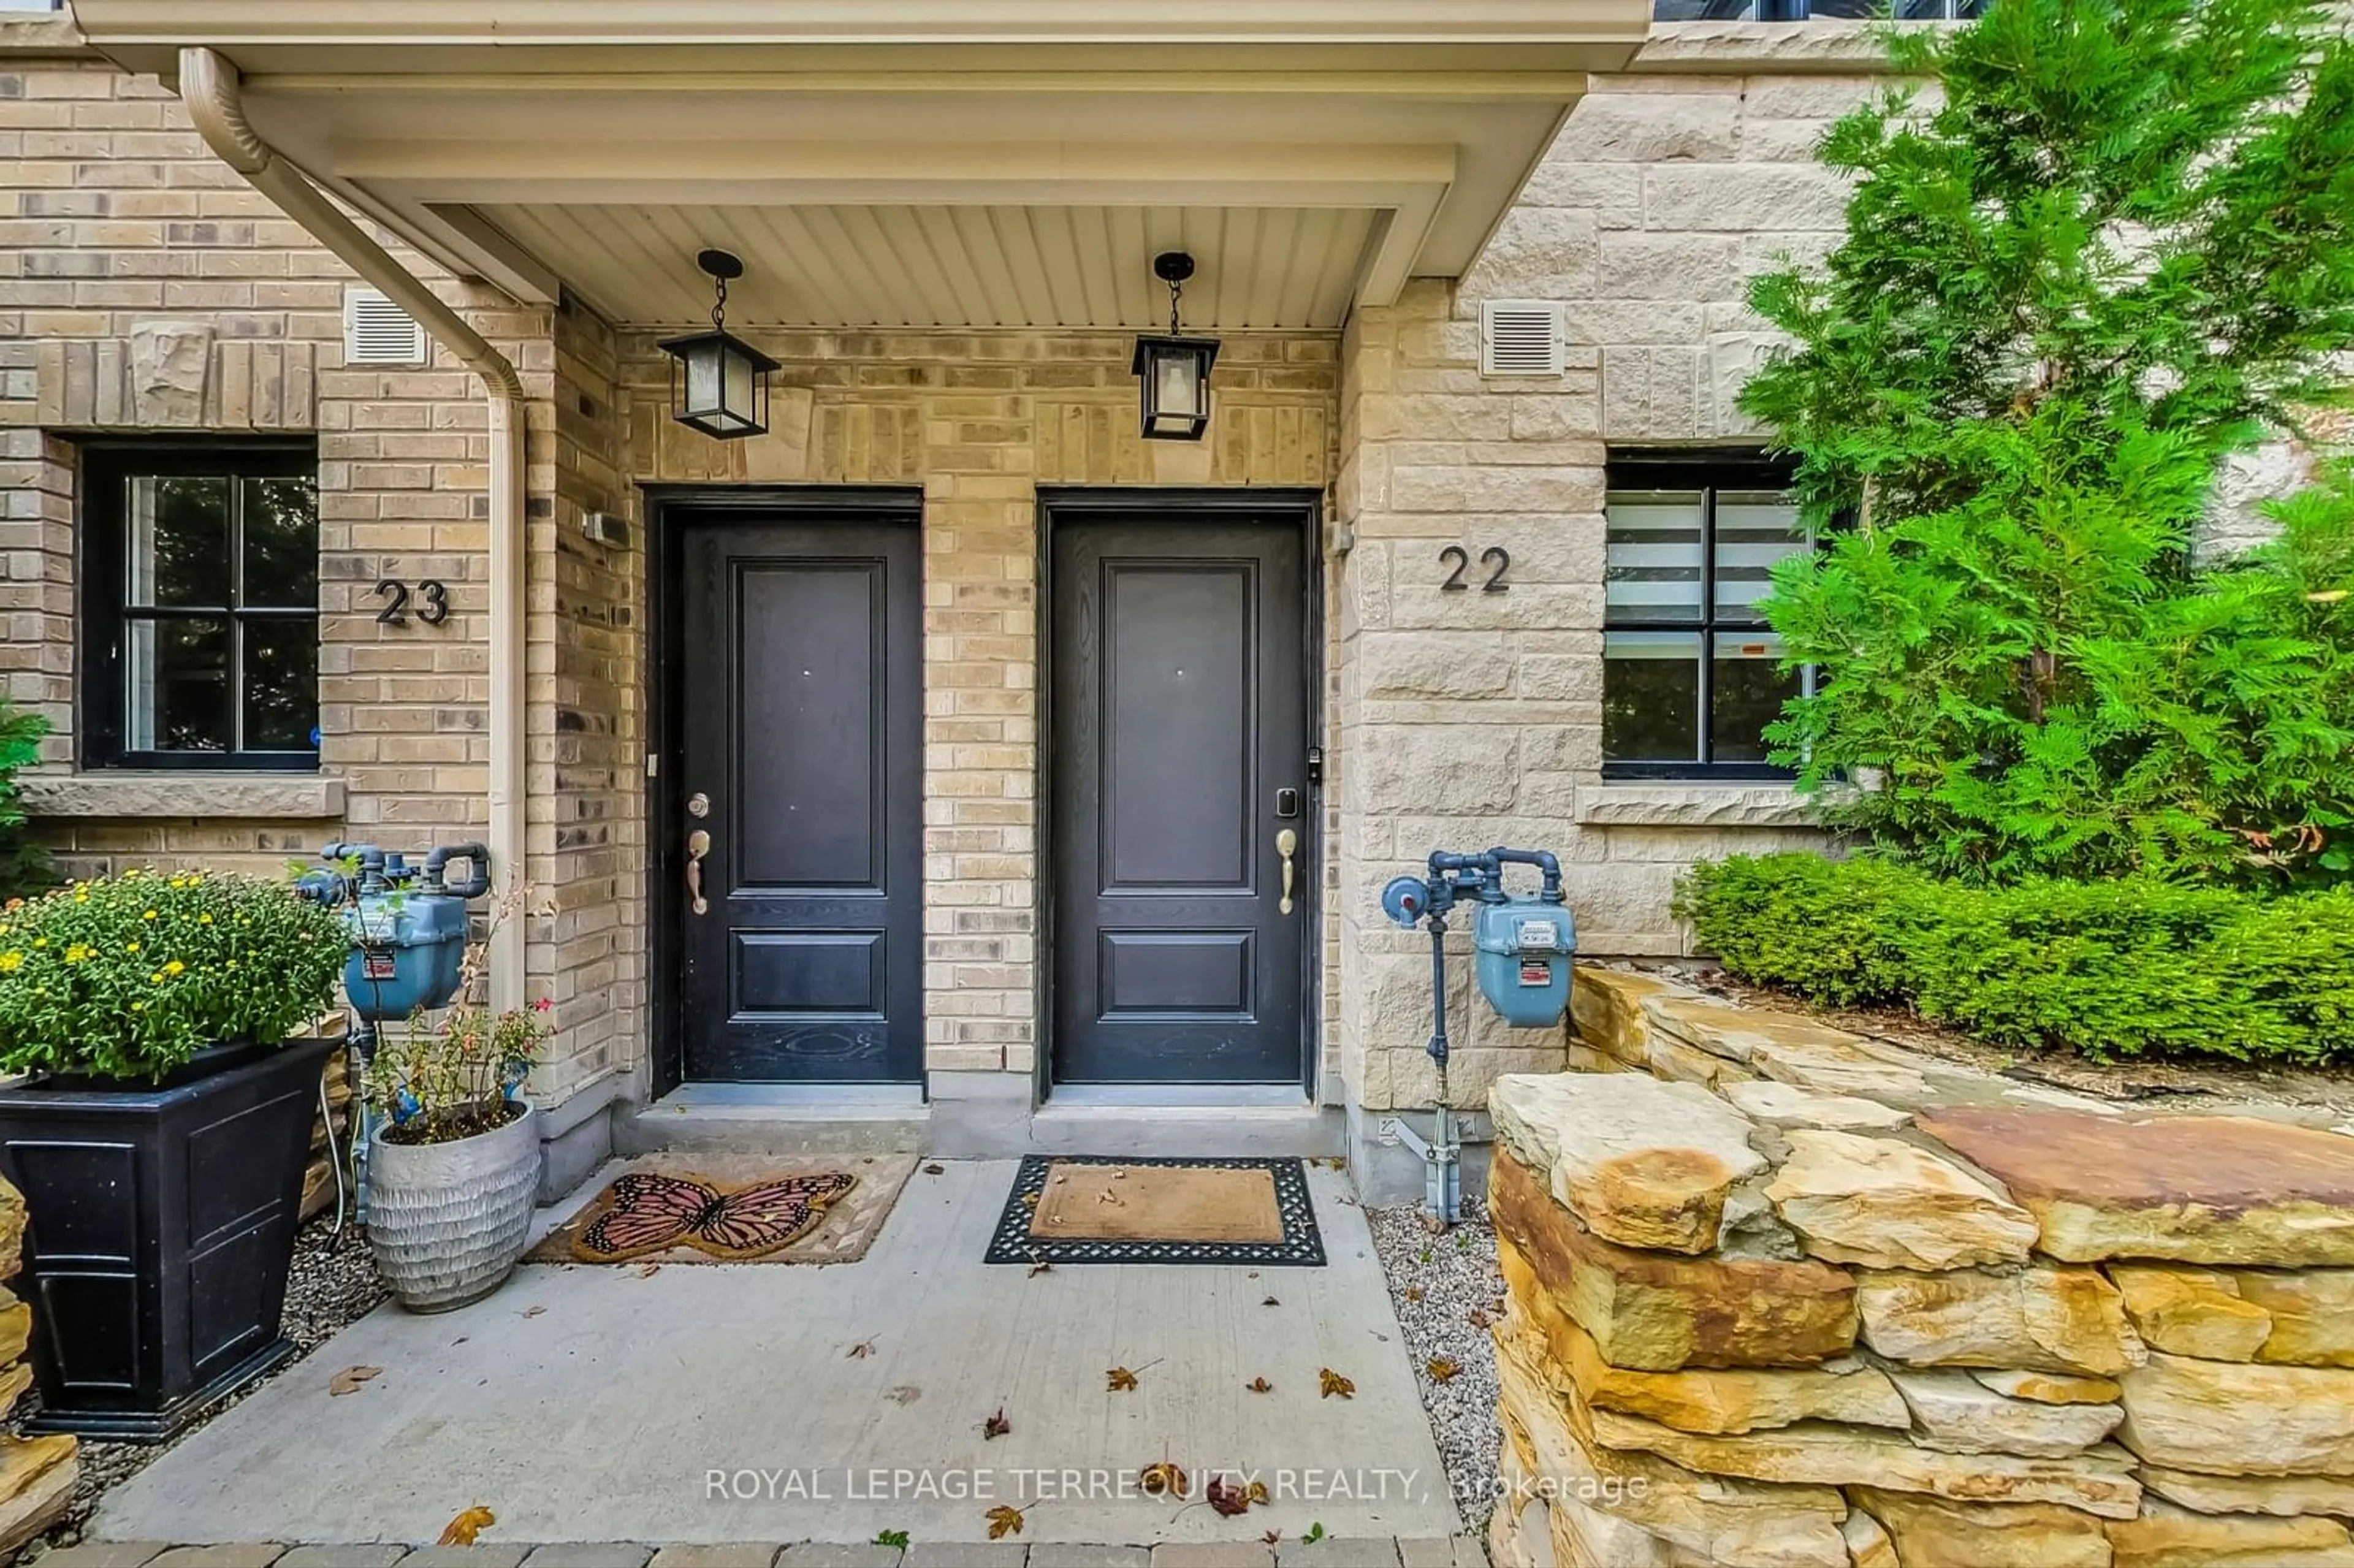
[1696,803]
[298,797]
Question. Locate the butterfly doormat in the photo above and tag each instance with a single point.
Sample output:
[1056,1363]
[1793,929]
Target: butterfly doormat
[1103,1209]
[724,1210]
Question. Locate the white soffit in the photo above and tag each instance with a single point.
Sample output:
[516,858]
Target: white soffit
[897,265]
[501,136]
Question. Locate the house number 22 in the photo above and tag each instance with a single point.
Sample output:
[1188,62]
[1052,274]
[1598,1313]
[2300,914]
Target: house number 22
[432,602]
[1494,555]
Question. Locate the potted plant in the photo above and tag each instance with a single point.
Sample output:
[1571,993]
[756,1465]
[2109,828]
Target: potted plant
[453,1161]
[161,1028]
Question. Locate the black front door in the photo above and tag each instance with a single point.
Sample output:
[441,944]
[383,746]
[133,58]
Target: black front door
[800,693]
[1180,729]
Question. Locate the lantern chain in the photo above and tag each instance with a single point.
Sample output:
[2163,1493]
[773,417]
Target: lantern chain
[719,306]
[1176,291]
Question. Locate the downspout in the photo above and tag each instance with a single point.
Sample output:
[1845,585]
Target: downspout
[209,86]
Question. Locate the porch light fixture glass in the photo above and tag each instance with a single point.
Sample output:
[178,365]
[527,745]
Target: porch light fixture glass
[1175,370]
[719,383]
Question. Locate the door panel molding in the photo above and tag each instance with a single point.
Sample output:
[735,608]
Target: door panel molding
[670,510]
[1182,979]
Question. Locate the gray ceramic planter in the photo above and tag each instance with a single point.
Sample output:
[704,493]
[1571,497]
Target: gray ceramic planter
[447,1221]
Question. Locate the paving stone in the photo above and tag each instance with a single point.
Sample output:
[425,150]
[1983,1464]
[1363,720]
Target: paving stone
[588,1554]
[735,1554]
[106,1554]
[483,1554]
[2192,1189]
[231,1555]
[1650,1311]
[866,1554]
[960,1554]
[349,1554]
[1064,1555]
[1643,1163]
[1338,1551]
[1212,1555]
[1426,1551]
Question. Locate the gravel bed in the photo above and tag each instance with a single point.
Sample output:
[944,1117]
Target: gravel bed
[1445,1289]
[327,1288]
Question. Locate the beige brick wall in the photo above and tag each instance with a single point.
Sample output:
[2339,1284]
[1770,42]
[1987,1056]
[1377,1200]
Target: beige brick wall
[980,421]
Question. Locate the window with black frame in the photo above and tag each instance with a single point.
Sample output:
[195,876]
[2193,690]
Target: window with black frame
[199,605]
[1691,672]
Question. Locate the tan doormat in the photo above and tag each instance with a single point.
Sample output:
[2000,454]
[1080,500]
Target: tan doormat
[1157,1203]
[733,1209]
[1104,1208]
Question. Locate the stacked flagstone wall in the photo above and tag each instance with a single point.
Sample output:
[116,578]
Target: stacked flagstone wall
[36,1474]
[1783,1297]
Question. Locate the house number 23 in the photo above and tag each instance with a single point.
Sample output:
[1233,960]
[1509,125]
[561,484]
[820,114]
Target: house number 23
[432,602]
[1494,557]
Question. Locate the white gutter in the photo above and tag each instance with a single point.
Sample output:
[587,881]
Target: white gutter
[209,86]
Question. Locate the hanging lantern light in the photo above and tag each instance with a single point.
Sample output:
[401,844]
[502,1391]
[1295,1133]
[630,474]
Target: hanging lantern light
[1175,370]
[719,383]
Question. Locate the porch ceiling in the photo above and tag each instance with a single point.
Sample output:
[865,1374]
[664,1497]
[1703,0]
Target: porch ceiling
[950,163]
[924,266]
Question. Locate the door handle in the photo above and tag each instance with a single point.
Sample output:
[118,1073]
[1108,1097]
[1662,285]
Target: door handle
[699,844]
[1286,843]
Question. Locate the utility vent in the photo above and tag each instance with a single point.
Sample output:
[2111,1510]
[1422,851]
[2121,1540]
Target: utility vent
[378,331]
[1521,337]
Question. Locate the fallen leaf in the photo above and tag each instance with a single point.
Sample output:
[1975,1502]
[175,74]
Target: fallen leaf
[936,1170]
[1166,1479]
[996,1425]
[1480,1319]
[533,1310]
[1315,1533]
[1257,1492]
[1029,1200]
[648,1270]
[1119,1380]
[1414,1292]
[1270,1301]
[463,1530]
[1041,1266]
[1004,1519]
[861,1350]
[1259,1386]
[1333,1383]
[1443,1369]
[1272,1536]
[349,1380]
[1227,1496]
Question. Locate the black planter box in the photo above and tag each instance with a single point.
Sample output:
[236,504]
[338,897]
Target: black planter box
[161,1226]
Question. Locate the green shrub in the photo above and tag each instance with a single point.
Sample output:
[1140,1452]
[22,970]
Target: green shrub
[129,977]
[25,868]
[2102,968]
[2116,248]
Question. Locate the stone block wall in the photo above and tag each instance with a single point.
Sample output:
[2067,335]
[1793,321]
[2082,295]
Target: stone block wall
[1478,717]
[1780,1294]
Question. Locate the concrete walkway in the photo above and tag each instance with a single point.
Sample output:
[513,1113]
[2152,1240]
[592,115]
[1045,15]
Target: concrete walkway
[794,1404]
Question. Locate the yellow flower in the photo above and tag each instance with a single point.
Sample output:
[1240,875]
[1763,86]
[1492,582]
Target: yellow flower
[41,941]
[81,897]
[130,947]
[157,979]
[78,952]
[11,961]
[149,915]
[174,967]
[203,920]
[138,1007]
